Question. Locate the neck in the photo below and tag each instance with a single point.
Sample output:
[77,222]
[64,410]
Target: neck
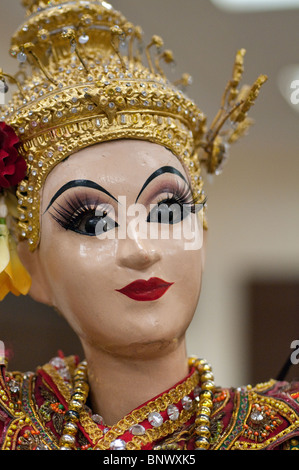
[118,385]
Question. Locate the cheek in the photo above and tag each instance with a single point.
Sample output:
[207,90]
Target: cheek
[76,271]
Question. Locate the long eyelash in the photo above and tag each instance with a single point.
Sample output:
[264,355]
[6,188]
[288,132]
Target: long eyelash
[184,196]
[75,206]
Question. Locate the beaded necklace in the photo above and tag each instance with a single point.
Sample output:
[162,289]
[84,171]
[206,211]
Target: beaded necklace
[81,391]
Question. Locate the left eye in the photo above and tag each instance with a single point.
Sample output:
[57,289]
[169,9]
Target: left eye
[168,212]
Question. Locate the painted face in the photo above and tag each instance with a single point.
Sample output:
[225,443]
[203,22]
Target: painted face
[120,246]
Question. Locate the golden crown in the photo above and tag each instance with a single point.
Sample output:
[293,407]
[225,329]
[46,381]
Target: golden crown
[82,80]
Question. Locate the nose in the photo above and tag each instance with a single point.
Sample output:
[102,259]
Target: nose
[136,253]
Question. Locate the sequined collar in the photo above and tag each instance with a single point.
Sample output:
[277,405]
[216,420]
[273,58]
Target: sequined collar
[140,429]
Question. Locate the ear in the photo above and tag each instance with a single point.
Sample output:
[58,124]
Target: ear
[40,289]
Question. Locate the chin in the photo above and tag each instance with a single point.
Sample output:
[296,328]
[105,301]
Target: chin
[143,350]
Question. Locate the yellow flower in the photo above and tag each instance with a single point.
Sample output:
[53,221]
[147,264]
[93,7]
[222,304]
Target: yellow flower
[13,276]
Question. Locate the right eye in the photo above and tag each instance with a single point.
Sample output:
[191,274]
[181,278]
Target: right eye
[83,217]
[92,224]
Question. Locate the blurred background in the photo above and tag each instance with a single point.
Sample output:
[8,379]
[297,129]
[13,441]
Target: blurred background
[248,314]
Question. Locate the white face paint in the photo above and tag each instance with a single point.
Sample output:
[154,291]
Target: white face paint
[89,278]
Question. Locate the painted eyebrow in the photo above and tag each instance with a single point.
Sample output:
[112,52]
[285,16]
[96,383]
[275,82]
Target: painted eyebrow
[76,184]
[160,171]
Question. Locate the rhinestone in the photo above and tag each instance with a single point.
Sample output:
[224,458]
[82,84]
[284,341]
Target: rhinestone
[256,416]
[83,39]
[173,412]
[14,386]
[21,130]
[137,430]
[187,403]
[197,389]
[33,123]
[23,233]
[22,57]
[45,119]
[146,103]
[60,148]
[74,99]
[30,241]
[98,419]
[123,119]
[22,217]
[59,114]
[98,122]
[20,202]
[34,173]
[111,105]
[74,110]
[50,154]
[155,419]
[30,200]
[118,88]
[118,444]
[40,164]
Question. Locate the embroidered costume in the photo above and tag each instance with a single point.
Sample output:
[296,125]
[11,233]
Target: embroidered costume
[33,409]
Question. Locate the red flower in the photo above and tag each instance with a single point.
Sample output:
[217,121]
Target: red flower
[12,165]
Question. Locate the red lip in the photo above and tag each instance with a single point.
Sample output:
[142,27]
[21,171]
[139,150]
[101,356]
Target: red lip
[143,290]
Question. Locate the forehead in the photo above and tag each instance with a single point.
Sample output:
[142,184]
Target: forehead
[125,162]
